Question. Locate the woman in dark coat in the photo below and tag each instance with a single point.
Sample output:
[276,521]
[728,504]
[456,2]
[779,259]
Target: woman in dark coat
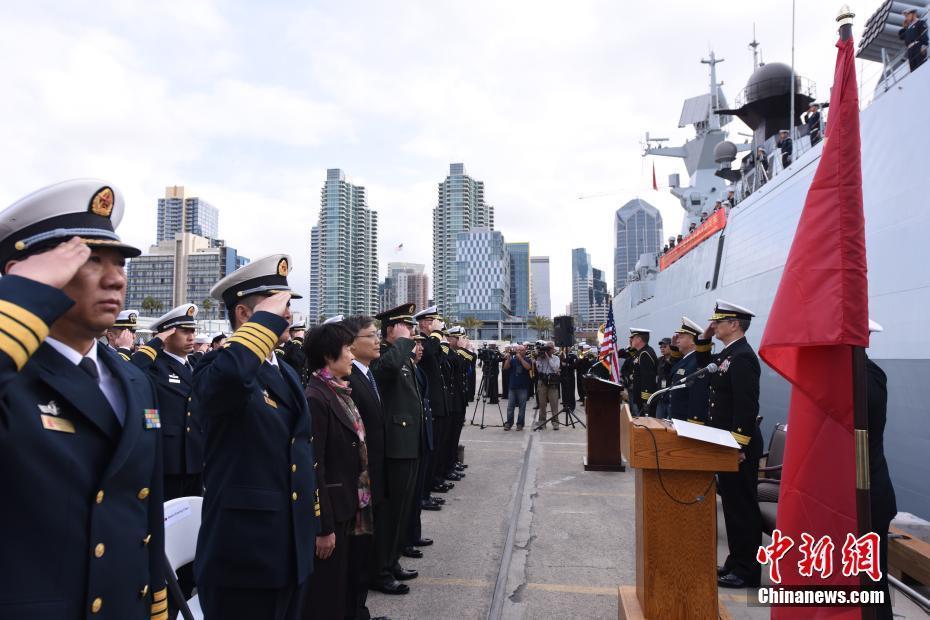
[342,469]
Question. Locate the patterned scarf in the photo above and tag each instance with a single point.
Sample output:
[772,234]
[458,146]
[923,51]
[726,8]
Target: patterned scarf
[363,518]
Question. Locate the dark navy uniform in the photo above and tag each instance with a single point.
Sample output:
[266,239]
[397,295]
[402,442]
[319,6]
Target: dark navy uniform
[733,405]
[643,368]
[915,39]
[690,403]
[181,425]
[435,364]
[261,506]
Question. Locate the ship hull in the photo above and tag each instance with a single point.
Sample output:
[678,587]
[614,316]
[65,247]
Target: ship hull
[747,266]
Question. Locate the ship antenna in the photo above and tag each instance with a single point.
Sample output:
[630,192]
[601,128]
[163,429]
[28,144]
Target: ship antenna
[791,113]
[755,52]
[713,120]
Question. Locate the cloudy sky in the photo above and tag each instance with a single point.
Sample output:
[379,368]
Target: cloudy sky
[247,104]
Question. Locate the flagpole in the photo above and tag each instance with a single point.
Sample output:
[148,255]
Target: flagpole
[860,403]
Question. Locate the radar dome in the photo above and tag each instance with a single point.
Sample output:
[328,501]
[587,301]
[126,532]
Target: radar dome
[771,80]
[724,152]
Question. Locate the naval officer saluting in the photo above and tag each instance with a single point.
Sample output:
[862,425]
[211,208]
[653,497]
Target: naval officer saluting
[82,523]
[121,334]
[164,359]
[733,404]
[261,507]
[690,403]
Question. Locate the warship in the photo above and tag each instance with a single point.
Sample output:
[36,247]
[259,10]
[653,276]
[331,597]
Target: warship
[738,252]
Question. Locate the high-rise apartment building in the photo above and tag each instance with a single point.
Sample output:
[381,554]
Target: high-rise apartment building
[540,297]
[582,282]
[483,275]
[460,207]
[637,231]
[179,213]
[520,281]
[405,283]
[344,263]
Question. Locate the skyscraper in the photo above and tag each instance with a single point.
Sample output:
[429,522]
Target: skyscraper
[178,213]
[483,276]
[637,230]
[344,264]
[460,206]
[406,282]
[185,262]
[600,298]
[540,297]
[582,282]
[520,283]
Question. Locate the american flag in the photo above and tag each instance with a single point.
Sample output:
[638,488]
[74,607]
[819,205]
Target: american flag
[608,353]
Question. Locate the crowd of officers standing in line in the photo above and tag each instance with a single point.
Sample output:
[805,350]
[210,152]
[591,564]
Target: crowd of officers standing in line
[315,452]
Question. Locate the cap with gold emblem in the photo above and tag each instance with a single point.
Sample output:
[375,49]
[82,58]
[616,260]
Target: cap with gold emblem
[265,276]
[127,319]
[689,327]
[726,310]
[456,331]
[639,331]
[87,208]
[401,314]
[428,313]
[182,316]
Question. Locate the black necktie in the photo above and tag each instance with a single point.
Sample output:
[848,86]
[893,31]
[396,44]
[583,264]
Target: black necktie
[374,385]
[88,366]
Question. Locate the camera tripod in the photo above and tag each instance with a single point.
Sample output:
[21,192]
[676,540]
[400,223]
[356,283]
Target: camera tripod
[482,393]
[570,419]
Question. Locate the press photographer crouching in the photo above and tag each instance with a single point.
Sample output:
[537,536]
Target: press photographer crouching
[548,377]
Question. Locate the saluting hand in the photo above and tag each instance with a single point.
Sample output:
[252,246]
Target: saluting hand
[55,267]
[325,546]
[275,304]
[164,335]
[124,340]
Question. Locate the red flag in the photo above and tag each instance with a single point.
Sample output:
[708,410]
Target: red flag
[819,314]
[655,185]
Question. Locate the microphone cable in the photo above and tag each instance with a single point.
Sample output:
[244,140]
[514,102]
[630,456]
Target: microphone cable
[698,499]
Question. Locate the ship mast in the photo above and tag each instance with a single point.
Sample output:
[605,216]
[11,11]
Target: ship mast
[713,120]
[755,49]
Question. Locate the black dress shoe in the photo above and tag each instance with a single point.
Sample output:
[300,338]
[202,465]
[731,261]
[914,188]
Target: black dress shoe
[411,552]
[461,466]
[430,506]
[391,586]
[423,542]
[460,474]
[722,570]
[440,488]
[404,574]
[438,500]
[730,580]
[454,476]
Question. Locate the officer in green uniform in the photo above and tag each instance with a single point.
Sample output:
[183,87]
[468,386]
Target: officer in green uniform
[403,414]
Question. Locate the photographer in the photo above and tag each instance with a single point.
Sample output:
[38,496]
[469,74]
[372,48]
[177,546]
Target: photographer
[548,366]
[517,371]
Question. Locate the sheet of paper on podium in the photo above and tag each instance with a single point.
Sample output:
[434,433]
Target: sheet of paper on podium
[704,433]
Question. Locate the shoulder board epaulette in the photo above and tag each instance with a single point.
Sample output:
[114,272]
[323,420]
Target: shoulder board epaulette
[445,348]
[436,335]
[466,354]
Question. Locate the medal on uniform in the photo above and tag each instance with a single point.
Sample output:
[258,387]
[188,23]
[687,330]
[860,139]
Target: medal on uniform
[152,419]
[53,423]
[51,408]
[174,379]
[724,365]
[269,400]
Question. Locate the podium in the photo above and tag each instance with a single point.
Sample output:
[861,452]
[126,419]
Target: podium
[602,407]
[676,543]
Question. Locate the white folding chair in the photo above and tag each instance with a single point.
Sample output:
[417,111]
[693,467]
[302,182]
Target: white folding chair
[182,524]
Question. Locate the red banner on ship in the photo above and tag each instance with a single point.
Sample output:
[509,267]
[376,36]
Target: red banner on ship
[716,221]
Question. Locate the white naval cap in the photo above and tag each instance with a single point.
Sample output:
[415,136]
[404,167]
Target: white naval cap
[726,310]
[182,316]
[874,327]
[265,276]
[456,331]
[427,313]
[635,331]
[87,208]
[202,339]
[689,327]
[332,319]
[127,318]
[301,324]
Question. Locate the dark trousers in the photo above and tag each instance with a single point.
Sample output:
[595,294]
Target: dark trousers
[360,553]
[741,513]
[492,386]
[505,384]
[455,434]
[580,381]
[436,473]
[324,594]
[401,476]
[248,603]
[880,526]
[415,524]
[568,391]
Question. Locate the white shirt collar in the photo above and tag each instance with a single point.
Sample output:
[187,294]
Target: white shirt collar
[361,366]
[687,354]
[272,359]
[70,354]
[181,360]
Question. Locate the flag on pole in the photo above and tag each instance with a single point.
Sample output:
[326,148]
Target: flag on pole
[819,315]
[655,185]
[608,354]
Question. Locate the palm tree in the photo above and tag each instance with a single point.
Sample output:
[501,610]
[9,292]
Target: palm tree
[206,305]
[470,322]
[150,304]
[541,324]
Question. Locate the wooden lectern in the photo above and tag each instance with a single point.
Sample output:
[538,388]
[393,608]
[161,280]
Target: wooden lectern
[602,407]
[676,544]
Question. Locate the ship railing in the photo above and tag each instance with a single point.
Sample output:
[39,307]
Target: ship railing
[776,86]
[876,79]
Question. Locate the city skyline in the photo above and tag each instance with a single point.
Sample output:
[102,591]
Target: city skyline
[253,127]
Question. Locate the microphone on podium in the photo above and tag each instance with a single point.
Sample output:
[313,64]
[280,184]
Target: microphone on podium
[697,374]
